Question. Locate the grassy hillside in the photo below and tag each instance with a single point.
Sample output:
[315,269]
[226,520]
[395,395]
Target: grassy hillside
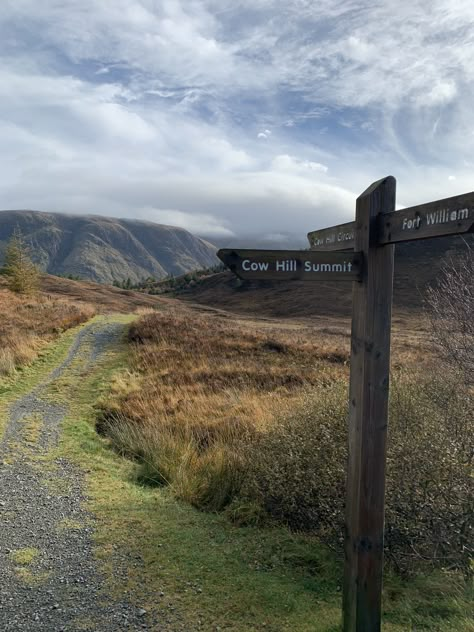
[202,409]
[29,323]
[105,298]
[106,249]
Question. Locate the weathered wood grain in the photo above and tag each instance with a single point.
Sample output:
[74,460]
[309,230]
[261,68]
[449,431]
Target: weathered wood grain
[450,216]
[335,238]
[368,410]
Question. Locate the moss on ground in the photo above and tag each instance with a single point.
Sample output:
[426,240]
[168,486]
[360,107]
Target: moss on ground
[24,557]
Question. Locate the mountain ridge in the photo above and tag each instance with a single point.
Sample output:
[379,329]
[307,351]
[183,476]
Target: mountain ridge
[418,265]
[106,249]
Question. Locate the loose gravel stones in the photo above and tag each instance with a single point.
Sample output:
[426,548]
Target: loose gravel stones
[50,580]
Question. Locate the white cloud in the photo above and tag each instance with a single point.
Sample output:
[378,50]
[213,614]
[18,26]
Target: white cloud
[202,224]
[284,162]
[122,106]
[442,93]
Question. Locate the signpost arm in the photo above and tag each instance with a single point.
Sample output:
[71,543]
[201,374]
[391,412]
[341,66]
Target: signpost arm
[368,413]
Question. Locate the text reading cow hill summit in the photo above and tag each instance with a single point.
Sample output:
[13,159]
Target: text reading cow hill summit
[291,264]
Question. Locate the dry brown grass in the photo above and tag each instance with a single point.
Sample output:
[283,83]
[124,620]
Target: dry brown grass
[210,369]
[199,384]
[105,298]
[253,412]
[28,323]
[201,381]
[205,368]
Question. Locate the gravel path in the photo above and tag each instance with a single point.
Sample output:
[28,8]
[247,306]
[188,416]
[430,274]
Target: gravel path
[50,581]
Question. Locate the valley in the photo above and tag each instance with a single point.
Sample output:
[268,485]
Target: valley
[236,316]
[160,424]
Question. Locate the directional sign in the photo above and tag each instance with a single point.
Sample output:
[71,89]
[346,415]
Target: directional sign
[301,265]
[335,238]
[450,216]
[376,228]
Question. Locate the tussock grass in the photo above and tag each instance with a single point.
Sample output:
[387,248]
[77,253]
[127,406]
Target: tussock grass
[199,388]
[201,466]
[255,419]
[28,323]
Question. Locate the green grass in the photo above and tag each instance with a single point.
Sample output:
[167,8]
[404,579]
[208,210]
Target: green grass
[24,557]
[24,379]
[189,566]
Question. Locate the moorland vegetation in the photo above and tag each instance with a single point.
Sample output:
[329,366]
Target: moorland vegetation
[251,420]
[29,319]
[234,429]
[29,322]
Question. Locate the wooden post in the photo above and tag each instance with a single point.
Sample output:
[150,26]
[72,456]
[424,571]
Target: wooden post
[368,413]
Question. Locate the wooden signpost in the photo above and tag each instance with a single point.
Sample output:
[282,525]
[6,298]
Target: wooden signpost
[335,238]
[368,262]
[451,216]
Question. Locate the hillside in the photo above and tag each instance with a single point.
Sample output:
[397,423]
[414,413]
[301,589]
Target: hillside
[417,265]
[106,249]
[198,438]
[29,323]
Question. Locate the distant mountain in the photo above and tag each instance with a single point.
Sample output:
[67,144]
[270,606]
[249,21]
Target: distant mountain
[271,241]
[106,249]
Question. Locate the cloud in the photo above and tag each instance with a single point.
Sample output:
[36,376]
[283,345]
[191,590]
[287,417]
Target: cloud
[288,164]
[240,116]
[202,224]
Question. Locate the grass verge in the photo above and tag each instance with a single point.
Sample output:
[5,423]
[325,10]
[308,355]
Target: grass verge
[24,379]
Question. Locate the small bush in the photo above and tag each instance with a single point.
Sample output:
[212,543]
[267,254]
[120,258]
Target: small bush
[297,470]
[430,501]
[451,311]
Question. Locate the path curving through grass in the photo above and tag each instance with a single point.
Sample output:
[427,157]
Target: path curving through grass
[50,576]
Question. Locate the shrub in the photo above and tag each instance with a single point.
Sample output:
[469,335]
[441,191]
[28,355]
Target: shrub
[296,470]
[430,502]
[451,309]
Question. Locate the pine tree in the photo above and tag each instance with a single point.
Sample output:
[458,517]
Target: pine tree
[22,275]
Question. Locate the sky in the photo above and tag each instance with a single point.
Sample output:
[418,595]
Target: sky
[237,118]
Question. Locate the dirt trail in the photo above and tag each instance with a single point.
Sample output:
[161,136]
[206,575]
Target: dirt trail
[50,580]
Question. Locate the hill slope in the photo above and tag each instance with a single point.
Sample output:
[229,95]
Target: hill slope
[105,249]
[417,265]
